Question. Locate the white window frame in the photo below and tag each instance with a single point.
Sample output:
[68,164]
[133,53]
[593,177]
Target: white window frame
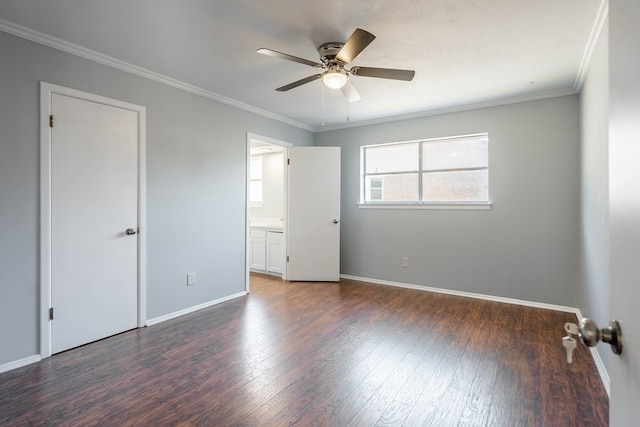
[419,204]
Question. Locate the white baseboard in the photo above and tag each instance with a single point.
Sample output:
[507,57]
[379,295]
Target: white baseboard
[20,363]
[466,294]
[179,313]
[604,375]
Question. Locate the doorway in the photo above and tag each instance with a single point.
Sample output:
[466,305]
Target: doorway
[93,213]
[302,240]
[266,205]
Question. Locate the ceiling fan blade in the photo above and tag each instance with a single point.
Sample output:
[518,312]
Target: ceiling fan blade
[299,83]
[350,92]
[356,44]
[383,73]
[269,52]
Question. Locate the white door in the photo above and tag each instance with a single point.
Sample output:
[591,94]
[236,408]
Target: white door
[94,197]
[313,220]
[624,208]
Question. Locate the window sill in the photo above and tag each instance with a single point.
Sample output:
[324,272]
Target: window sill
[441,206]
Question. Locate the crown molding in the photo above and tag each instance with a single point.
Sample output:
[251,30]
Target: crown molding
[454,109]
[74,49]
[597,31]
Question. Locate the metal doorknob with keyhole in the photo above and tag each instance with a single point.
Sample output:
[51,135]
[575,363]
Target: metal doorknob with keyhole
[131,231]
[335,221]
[590,334]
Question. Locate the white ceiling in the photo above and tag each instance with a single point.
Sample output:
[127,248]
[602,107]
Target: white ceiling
[464,52]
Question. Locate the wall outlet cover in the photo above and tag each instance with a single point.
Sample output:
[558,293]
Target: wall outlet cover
[191,279]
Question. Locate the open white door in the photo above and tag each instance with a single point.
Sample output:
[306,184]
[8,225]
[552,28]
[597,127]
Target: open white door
[624,208]
[313,220]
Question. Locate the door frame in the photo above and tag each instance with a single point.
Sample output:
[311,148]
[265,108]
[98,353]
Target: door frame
[285,145]
[47,90]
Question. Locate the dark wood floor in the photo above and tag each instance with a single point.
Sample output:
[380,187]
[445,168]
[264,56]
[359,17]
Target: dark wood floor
[320,354]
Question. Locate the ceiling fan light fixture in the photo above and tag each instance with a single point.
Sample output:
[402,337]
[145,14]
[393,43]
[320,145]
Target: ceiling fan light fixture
[334,79]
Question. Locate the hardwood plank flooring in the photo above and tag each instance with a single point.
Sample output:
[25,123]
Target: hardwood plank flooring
[320,354]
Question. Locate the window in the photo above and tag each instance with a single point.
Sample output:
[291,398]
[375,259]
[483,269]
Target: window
[451,170]
[255,181]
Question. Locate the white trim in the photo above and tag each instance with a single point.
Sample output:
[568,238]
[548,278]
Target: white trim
[437,206]
[602,370]
[45,220]
[74,49]
[499,102]
[466,294]
[195,308]
[142,215]
[20,363]
[46,92]
[598,29]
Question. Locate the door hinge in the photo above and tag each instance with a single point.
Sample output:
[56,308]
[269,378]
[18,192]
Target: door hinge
[287,258]
[51,313]
[288,161]
[50,120]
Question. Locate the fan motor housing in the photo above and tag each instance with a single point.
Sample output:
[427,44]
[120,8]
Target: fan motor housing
[328,52]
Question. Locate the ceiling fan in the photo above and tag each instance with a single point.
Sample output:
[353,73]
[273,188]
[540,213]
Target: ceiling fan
[334,57]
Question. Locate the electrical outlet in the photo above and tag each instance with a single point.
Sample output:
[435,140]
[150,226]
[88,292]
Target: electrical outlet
[405,262]
[191,279]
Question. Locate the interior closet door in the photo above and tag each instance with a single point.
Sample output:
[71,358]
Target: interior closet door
[94,199]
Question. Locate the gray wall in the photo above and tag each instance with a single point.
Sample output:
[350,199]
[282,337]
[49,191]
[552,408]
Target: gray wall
[593,287]
[525,247]
[196,174]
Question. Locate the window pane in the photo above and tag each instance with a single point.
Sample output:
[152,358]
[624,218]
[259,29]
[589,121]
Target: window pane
[456,154]
[376,182]
[392,158]
[255,168]
[255,191]
[464,186]
[376,194]
[394,188]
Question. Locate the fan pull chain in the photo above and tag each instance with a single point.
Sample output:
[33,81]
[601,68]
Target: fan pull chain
[322,84]
[347,97]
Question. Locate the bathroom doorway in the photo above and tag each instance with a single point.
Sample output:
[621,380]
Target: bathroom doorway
[266,206]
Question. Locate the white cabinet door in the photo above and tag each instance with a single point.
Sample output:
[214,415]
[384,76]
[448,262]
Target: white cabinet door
[313,228]
[258,249]
[275,252]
